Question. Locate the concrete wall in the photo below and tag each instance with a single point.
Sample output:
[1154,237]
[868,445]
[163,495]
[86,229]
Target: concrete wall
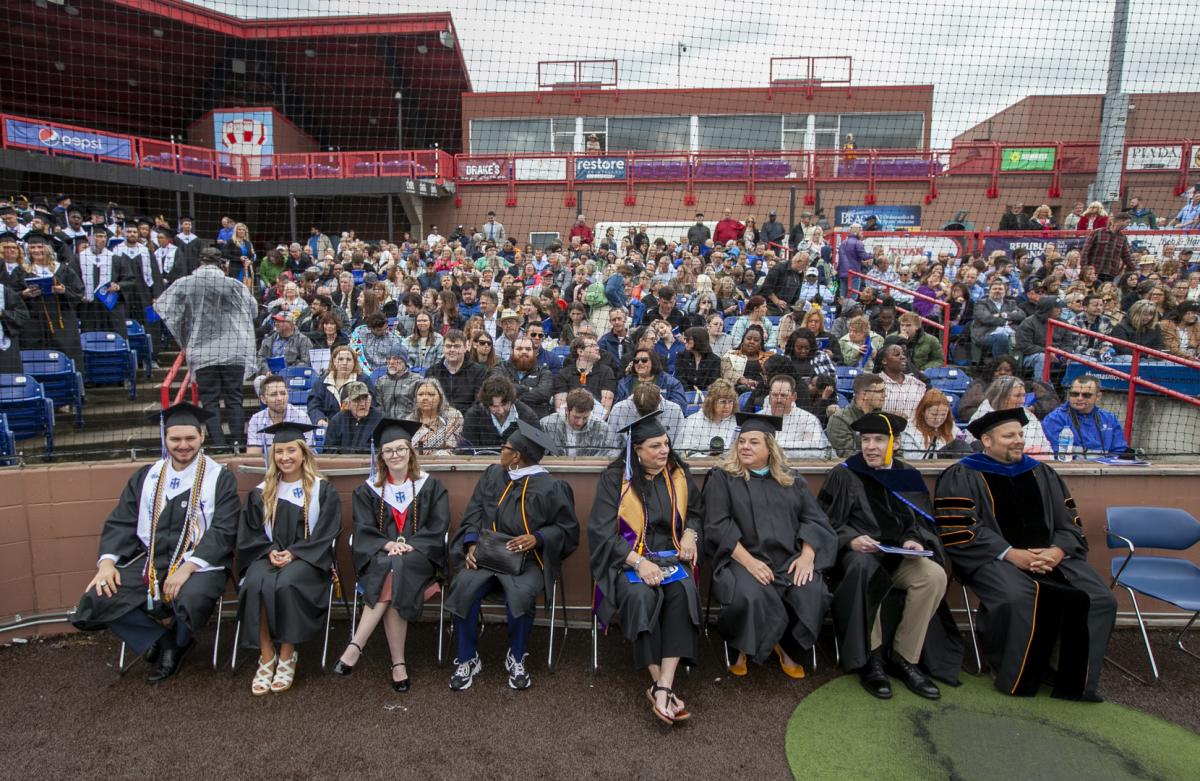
[50,518]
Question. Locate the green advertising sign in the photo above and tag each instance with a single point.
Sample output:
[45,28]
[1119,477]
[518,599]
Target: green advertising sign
[1037,158]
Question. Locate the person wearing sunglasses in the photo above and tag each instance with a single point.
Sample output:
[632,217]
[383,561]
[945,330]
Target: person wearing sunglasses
[1095,431]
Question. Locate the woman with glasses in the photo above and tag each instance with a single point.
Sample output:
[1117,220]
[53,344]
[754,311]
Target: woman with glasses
[711,430]
[401,515]
[440,423]
[646,366]
[482,350]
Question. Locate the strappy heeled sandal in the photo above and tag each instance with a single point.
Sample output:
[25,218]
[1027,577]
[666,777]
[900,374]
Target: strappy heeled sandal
[651,694]
[262,677]
[341,668]
[285,674]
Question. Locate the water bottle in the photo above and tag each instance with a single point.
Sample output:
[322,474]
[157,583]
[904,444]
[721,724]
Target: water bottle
[1066,444]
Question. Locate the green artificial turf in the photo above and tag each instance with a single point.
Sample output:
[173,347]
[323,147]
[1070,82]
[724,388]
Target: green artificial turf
[974,733]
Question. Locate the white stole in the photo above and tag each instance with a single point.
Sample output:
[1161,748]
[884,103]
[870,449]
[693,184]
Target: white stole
[399,495]
[293,493]
[180,483]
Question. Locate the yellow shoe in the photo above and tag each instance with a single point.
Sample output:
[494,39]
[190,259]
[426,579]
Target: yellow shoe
[738,668]
[794,671]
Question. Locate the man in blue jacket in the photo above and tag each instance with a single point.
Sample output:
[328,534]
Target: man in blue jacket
[1096,431]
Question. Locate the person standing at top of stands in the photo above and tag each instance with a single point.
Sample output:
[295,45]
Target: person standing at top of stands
[96,261]
[581,230]
[165,267]
[212,317]
[226,231]
[772,232]
[492,230]
[728,229]
[189,246]
[1015,218]
[133,272]
[318,242]
[699,233]
[852,256]
[1107,249]
[782,286]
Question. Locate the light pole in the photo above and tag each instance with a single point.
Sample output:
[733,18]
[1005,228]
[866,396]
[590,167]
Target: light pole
[1113,115]
[680,48]
[399,96]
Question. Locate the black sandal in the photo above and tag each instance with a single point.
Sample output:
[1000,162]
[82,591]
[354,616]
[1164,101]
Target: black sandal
[341,668]
[651,693]
[400,686]
[682,714]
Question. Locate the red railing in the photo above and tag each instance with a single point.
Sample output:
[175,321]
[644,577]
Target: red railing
[189,383]
[943,305]
[153,154]
[1130,376]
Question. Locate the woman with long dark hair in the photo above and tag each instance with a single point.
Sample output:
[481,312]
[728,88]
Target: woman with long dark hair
[643,536]
[697,367]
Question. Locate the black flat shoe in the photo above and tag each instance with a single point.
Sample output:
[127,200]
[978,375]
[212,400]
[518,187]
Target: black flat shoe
[400,686]
[917,682]
[874,679]
[341,668]
[169,663]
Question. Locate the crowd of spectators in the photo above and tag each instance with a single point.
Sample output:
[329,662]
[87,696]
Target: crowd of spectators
[471,332]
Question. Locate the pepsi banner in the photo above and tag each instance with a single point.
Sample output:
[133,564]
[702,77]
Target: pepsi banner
[594,169]
[49,136]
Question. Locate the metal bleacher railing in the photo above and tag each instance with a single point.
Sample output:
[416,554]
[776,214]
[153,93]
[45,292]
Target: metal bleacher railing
[941,327]
[1129,373]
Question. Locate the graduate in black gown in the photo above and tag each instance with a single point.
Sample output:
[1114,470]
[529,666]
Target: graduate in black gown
[285,554]
[12,271]
[873,498]
[644,534]
[401,515]
[769,542]
[165,549]
[516,499]
[14,317]
[133,273]
[1011,529]
[54,319]
[99,289]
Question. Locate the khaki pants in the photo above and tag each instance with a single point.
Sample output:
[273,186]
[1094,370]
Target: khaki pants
[599,320]
[924,580]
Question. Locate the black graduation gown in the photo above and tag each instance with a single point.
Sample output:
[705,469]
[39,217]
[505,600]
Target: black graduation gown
[639,606]
[188,256]
[550,511]
[14,279]
[858,504]
[983,507]
[95,316]
[295,595]
[14,320]
[54,319]
[414,571]
[198,596]
[772,522]
[163,279]
[135,293]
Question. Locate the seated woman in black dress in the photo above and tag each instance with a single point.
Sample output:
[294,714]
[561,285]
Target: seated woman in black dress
[285,552]
[769,541]
[400,519]
[643,534]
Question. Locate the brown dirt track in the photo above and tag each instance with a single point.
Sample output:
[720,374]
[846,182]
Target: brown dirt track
[67,714]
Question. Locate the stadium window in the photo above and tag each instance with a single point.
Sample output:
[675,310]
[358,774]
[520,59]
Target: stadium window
[565,131]
[493,136]
[652,134]
[885,131]
[740,132]
[595,134]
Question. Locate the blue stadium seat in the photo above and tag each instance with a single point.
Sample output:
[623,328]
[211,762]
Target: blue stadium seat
[695,397]
[822,342]
[774,319]
[561,353]
[376,374]
[29,413]
[8,445]
[743,400]
[61,383]
[845,378]
[107,360]
[949,379]
[300,381]
[729,323]
[141,344]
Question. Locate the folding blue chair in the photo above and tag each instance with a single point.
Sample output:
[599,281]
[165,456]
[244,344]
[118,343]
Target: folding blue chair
[1165,578]
[61,383]
[845,378]
[29,413]
[107,360]
[141,344]
[949,379]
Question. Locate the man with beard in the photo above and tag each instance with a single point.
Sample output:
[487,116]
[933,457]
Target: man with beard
[533,381]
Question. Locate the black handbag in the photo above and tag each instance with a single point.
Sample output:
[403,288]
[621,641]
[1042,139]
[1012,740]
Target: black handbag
[491,554]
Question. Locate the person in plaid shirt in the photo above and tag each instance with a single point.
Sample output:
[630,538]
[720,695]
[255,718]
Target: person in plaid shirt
[1108,250]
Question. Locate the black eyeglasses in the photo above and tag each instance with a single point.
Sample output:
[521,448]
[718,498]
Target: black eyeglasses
[1081,394]
[641,360]
[483,342]
[537,336]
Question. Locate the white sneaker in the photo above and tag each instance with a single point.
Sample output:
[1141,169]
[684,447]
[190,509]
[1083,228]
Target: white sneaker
[464,673]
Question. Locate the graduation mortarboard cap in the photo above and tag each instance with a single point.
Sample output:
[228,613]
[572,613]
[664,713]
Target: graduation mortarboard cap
[99,230]
[755,421]
[143,220]
[45,215]
[288,431]
[166,231]
[879,423]
[9,236]
[181,414]
[645,427]
[530,441]
[38,238]
[391,429]
[986,423]
[7,210]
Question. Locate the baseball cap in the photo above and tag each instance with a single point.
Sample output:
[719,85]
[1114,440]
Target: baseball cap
[354,390]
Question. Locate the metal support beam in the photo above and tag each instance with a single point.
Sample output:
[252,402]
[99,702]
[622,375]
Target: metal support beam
[1113,116]
[291,202]
[391,219]
[414,209]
